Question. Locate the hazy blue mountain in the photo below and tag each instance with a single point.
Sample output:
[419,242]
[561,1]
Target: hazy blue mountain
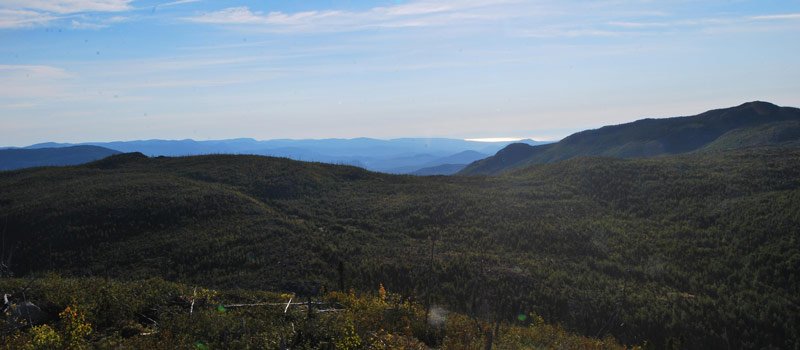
[403,155]
[444,169]
[509,157]
[442,165]
[465,157]
[747,125]
[460,158]
[18,158]
[402,165]
[49,145]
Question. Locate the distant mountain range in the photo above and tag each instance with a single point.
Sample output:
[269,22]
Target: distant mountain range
[444,169]
[749,125]
[399,156]
[18,158]
[442,166]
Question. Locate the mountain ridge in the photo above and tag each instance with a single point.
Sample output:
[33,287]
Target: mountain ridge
[646,137]
[399,155]
[19,158]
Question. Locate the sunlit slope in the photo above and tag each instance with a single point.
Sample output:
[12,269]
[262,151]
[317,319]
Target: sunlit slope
[684,250]
[750,124]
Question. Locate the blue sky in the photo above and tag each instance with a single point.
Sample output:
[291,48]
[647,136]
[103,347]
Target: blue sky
[101,70]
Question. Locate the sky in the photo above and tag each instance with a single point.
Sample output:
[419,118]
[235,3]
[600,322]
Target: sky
[103,70]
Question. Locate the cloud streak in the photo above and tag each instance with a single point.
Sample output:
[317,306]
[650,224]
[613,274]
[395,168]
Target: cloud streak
[541,19]
[33,71]
[414,14]
[784,16]
[16,14]
[11,18]
[178,2]
[707,25]
[69,6]
[32,82]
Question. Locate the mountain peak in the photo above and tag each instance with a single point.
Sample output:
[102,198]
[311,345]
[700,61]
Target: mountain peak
[760,107]
[118,160]
[515,147]
[758,104]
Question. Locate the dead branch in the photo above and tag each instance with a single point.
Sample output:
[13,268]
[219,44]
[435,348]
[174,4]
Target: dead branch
[194,295]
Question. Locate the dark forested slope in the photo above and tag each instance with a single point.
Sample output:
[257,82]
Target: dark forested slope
[748,125]
[690,251]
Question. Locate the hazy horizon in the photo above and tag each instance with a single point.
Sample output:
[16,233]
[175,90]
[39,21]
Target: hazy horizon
[480,140]
[483,140]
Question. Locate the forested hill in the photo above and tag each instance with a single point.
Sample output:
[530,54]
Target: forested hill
[690,251]
[18,158]
[748,125]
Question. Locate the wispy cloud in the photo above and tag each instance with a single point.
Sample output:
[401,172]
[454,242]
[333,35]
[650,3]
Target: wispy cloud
[14,18]
[33,71]
[625,24]
[556,32]
[196,83]
[413,14]
[232,15]
[33,81]
[69,6]
[696,22]
[30,13]
[86,25]
[783,16]
[540,19]
[83,22]
[178,2]
[706,25]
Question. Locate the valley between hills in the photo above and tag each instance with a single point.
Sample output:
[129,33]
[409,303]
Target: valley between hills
[611,236]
